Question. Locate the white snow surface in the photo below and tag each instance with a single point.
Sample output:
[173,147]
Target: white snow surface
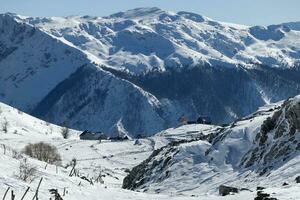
[199,167]
[112,158]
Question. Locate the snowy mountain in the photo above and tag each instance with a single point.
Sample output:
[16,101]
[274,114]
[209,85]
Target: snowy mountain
[137,72]
[147,39]
[42,75]
[261,149]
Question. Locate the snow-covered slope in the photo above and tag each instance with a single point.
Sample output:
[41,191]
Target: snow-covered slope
[21,125]
[248,153]
[57,82]
[138,71]
[194,174]
[32,63]
[96,100]
[111,159]
[278,141]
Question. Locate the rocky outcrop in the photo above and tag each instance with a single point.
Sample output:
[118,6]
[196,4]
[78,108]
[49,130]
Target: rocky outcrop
[156,163]
[261,195]
[264,196]
[297,179]
[277,140]
[226,190]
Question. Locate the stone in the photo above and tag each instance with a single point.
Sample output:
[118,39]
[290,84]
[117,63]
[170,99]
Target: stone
[226,190]
[297,179]
[260,188]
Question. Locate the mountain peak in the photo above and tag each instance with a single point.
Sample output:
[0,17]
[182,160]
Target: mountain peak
[9,14]
[293,25]
[192,16]
[138,12]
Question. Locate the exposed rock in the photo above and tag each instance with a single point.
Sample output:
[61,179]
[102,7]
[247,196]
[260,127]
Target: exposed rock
[264,196]
[297,179]
[260,188]
[277,139]
[141,173]
[226,190]
[285,184]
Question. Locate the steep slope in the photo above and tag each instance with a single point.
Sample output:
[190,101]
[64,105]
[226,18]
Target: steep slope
[259,150]
[55,81]
[16,124]
[97,100]
[31,58]
[278,140]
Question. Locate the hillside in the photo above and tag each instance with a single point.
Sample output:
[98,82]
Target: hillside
[55,81]
[259,150]
[191,174]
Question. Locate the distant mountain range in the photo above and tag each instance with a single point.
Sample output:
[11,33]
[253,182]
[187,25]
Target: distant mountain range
[137,72]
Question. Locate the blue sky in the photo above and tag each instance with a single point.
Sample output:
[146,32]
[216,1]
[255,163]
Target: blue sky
[250,12]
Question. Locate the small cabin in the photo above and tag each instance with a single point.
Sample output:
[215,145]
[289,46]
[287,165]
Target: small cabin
[88,135]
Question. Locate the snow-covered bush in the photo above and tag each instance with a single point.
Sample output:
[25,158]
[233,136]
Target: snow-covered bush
[16,154]
[27,172]
[44,152]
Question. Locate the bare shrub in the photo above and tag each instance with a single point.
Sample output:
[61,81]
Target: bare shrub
[4,126]
[65,132]
[44,152]
[27,172]
[16,154]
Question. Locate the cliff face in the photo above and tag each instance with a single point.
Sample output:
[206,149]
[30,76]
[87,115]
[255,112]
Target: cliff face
[278,140]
